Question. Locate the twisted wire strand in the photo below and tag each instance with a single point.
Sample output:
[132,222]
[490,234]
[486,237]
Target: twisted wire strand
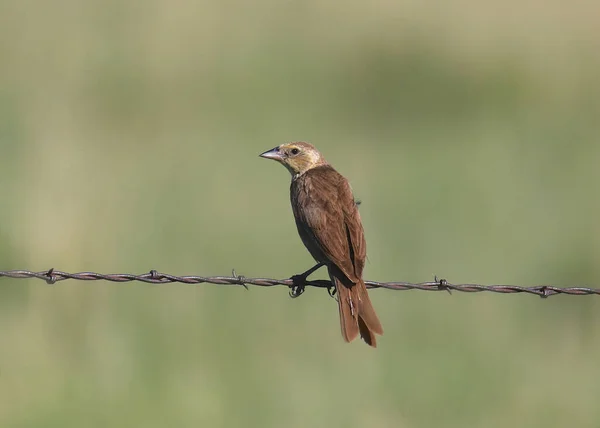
[154,277]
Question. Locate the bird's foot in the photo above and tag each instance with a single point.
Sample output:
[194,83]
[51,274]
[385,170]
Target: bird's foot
[298,285]
[299,281]
[332,290]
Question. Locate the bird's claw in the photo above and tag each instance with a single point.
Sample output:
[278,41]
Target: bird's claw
[296,291]
[332,290]
[298,286]
[299,281]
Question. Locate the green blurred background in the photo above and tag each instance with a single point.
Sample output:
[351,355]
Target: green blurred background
[130,134]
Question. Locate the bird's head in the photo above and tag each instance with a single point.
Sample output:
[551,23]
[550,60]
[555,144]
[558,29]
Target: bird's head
[297,157]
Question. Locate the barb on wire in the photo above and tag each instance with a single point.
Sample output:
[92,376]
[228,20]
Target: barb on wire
[154,277]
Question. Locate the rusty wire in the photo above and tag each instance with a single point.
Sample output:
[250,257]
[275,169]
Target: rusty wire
[153,277]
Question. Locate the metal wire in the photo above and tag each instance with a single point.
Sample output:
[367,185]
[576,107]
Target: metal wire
[153,277]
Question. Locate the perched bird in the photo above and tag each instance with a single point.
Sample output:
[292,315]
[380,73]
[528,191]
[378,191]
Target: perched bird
[329,225]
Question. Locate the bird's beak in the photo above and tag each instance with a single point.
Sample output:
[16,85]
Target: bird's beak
[274,154]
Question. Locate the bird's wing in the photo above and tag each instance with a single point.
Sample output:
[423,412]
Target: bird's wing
[328,215]
[354,227]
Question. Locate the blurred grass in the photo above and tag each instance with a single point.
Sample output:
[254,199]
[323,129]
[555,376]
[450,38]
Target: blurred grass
[130,136]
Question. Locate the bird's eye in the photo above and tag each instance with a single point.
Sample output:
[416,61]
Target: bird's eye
[295,151]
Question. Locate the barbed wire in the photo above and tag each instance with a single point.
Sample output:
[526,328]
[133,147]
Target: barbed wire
[154,277]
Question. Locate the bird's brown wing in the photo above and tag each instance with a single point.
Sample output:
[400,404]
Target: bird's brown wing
[330,222]
[354,229]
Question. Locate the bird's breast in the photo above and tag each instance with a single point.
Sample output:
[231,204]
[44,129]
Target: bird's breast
[306,213]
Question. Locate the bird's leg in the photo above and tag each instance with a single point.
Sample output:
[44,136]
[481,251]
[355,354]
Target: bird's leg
[299,281]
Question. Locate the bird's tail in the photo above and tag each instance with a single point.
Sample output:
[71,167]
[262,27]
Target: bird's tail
[357,314]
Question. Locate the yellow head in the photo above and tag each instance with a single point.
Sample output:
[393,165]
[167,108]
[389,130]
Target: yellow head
[297,157]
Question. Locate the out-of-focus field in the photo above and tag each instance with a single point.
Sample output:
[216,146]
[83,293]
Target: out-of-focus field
[129,135]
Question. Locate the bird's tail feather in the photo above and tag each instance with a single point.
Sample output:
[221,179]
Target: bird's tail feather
[348,319]
[357,314]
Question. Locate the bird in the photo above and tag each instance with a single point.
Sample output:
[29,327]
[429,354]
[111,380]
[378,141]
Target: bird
[330,227]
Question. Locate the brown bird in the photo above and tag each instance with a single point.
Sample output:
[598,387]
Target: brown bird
[329,224]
